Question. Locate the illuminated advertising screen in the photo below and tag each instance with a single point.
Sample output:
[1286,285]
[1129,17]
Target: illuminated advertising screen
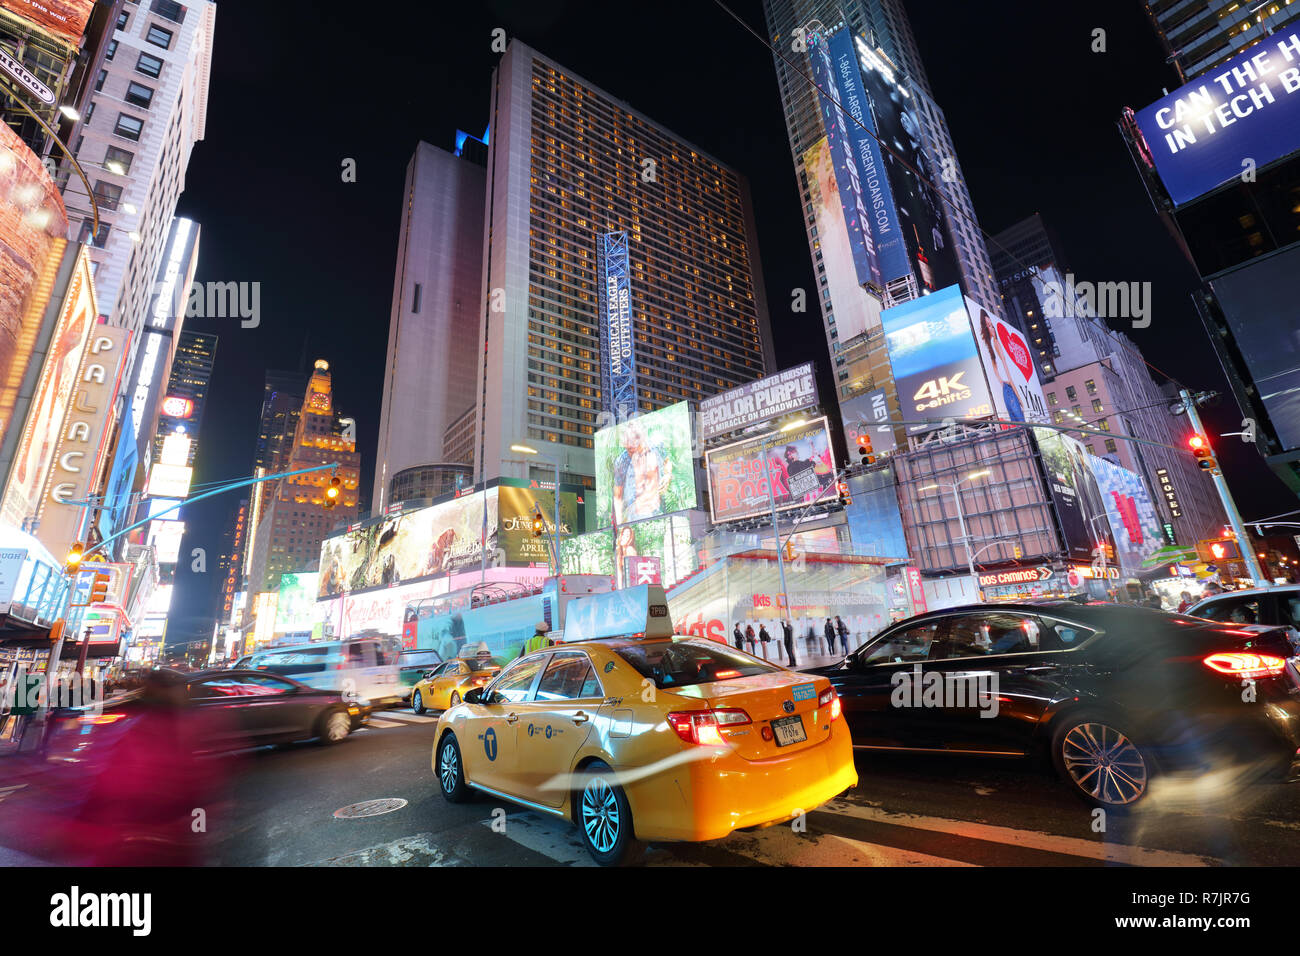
[1130,512]
[1249,106]
[826,72]
[176,406]
[166,537]
[517,505]
[667,540]
[1008,367]
[644,467]
[65,19]
[787,391]
[1074,491]
[440,539]
[170,481]
[936,362]
[175,449]
[869,414]
[855,310]
[799,462]
[295,610]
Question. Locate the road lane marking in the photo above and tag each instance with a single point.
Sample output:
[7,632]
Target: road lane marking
[1031,839]
[375,722]
[546,835]
[407,718]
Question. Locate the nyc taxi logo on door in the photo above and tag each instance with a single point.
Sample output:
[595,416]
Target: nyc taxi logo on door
[489,738]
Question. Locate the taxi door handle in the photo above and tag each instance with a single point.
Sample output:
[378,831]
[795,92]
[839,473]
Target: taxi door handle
[580,718]
[511,718]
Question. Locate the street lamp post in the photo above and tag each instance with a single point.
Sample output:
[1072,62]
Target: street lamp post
[555,529]
[961,517]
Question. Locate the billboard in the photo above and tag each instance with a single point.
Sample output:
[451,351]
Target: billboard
[64,19]
[618,354]
[786,391]
[1008,367]
[920,207]
[1199,134]
[840,152]
[516,506]
[170,481]
[644,467]
[666,540]
[1130,512]
[799,462]
[855,310]
[869,413]
[440,539]
[34,460]
[1075,495]
[936,362]
[166,537]
[295,609]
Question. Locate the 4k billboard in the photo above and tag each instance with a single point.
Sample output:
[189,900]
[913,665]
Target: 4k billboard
[937,368]
[799,463]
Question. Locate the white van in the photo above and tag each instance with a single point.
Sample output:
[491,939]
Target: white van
[366,667]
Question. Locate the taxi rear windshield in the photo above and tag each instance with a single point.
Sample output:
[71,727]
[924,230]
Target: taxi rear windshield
[684,663]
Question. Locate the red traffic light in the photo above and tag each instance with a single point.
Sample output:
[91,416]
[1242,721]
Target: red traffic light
[865,449]
[1200,447]
[539,526]
[1218,551]
[99,588]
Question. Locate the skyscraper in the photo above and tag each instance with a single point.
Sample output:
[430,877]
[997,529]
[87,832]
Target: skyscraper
[181,408]
[282,395]
[943,239]
[429,374]
[1199,35]
[295,518]
[144,118]
[567,164]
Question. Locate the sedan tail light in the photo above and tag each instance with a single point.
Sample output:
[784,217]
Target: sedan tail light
[704,727]
[1243,666]
[829,697]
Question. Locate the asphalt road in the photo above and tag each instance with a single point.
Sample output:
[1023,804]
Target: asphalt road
[279,806]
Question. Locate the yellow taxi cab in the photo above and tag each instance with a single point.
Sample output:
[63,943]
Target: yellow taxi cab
[445,685]
[648,736]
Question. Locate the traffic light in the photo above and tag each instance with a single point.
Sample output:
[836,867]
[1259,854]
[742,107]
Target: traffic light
[539,524]
[333,492]
[99,588]
[789,550]
[1016,552]
[1200,447]
[843,488]
[1218,550]
[864,448]
[74,558]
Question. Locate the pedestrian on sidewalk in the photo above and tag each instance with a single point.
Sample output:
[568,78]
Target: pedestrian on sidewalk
[843,631]
[749,637]
[764,637]
[789,642]
[829,632]
[810,640]
[738,638]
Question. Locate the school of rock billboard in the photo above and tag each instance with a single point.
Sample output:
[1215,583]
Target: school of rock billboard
[799,463]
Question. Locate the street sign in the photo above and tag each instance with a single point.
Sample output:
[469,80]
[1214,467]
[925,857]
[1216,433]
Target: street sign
[1044,573]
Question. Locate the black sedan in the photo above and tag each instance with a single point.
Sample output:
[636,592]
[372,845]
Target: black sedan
[233,709]
[1114,694]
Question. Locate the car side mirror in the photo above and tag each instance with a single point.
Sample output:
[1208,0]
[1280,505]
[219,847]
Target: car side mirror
[474,696]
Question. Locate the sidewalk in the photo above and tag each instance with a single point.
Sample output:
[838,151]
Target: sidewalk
[803,660]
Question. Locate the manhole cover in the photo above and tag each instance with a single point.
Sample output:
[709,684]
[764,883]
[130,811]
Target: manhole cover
[369,808]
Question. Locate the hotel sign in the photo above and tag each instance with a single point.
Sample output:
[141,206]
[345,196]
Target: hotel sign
[1167,489]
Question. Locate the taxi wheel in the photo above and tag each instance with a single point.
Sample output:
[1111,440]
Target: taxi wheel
[417,702]
[604,817]
[455,697]
[451,771]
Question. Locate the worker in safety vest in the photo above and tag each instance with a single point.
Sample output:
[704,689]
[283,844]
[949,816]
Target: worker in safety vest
[539,640]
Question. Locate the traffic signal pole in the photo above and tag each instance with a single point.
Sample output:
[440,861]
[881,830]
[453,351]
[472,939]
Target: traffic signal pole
[1225,496]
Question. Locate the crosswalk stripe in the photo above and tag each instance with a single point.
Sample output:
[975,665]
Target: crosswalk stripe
[375,722]
[549,836]
[408,718]
[1030,839]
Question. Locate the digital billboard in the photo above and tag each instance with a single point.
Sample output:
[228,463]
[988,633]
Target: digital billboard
[64,19]
[1008,367]
[1074,492]
[799,462]
[787,391]
[295,609]
[516,506]
[165,536]
[169,481]
[854,309]
[1199,134]
[869,413]
[618,354]
[667,540]
[873,516]
[853,209]
[440,539]
[644,467]
[1130,512]
[936,362]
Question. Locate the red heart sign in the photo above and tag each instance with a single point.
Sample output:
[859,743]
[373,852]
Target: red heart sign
[1017,349]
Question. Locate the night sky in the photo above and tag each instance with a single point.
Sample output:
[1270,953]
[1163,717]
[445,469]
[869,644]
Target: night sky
[297,87]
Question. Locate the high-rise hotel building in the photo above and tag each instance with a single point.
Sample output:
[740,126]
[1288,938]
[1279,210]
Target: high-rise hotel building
[1201,34]
[860,357]
[567,162]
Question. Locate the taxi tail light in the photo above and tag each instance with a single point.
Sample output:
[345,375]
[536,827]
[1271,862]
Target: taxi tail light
[1242,666]
[828,697]
[705,726]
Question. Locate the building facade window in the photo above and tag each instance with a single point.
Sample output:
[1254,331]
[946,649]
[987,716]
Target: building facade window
[159,37]
[137,94]
[118,159]
[129,127]
[149,65]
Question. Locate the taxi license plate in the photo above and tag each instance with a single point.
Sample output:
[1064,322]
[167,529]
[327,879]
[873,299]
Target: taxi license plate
[789,730]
